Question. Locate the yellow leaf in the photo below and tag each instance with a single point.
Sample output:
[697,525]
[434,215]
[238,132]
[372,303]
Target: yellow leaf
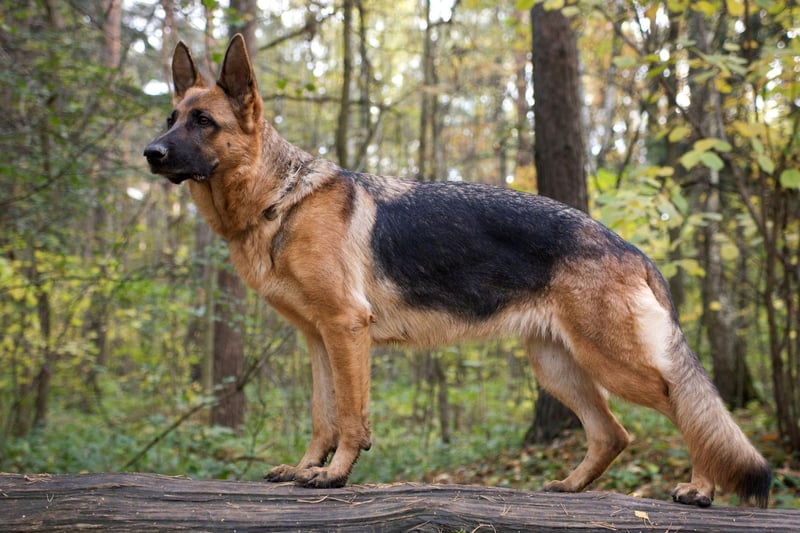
[729,251]
[644,516]
[709,9]
[735,7]
[550,5]
[704,145]
[715,306]
[679,133]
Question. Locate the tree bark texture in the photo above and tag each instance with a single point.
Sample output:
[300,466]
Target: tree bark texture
[229,313]
[560,153]
[343,121]
[142,502]
[559,156]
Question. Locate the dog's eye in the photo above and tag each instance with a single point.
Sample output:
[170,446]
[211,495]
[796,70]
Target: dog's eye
[171,120]
[204,121]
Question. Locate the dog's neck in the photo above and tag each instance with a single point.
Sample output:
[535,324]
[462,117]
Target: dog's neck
[233,204]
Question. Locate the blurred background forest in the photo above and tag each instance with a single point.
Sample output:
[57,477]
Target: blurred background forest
[127,343]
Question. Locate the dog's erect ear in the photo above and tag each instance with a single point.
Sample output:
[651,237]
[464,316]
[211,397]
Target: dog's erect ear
[238,81]
[184,72]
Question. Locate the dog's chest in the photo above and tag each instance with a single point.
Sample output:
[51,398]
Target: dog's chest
[250,255]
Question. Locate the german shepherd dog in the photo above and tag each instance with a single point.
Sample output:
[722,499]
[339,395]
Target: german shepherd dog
[353,259]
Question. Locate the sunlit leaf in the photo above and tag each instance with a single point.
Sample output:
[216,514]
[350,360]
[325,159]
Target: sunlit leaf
[551,5]
[735,7]
[709,9]
[790,178]
[571,11]
[722,85]
[679,133]
[766,164]
[704,145]
[690,159]
[712,160]
[728,251]
[677,6]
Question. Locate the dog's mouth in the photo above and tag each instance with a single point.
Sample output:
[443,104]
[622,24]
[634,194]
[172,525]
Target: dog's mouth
[180,178]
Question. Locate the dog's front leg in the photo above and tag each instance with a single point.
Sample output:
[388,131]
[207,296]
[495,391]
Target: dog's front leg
[347,342]
[324,433]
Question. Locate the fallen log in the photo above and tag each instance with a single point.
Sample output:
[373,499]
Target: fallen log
[149,502]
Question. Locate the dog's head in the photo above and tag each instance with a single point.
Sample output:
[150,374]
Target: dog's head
[211,130]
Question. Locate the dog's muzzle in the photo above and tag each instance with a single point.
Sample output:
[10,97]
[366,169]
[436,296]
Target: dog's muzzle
[157,157]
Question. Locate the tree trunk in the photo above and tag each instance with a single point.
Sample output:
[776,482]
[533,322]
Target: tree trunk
[428,131]
[229,350]
[342,126]
[559,156]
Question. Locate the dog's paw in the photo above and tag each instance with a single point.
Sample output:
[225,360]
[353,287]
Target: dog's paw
[688,494]
[558,486]
[281,474]
[319,478]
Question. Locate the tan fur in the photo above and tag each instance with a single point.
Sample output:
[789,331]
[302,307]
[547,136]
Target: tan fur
[299,234]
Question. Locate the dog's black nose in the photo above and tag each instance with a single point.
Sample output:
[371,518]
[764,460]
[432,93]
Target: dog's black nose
[155,152]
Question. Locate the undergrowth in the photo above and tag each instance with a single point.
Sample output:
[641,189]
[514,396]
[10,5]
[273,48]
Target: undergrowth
[485,447]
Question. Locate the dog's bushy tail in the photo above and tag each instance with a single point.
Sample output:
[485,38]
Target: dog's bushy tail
[717,445]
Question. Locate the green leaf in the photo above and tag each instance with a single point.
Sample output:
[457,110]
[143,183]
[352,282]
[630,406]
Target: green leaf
[680,203]
[524,5]
[571,11]
[704,145]
[712,160]
[790,178]
[624,61]
[690,159]
[722,146]
[766,163]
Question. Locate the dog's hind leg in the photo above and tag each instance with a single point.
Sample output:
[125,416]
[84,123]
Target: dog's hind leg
[323,415]
[558,372]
